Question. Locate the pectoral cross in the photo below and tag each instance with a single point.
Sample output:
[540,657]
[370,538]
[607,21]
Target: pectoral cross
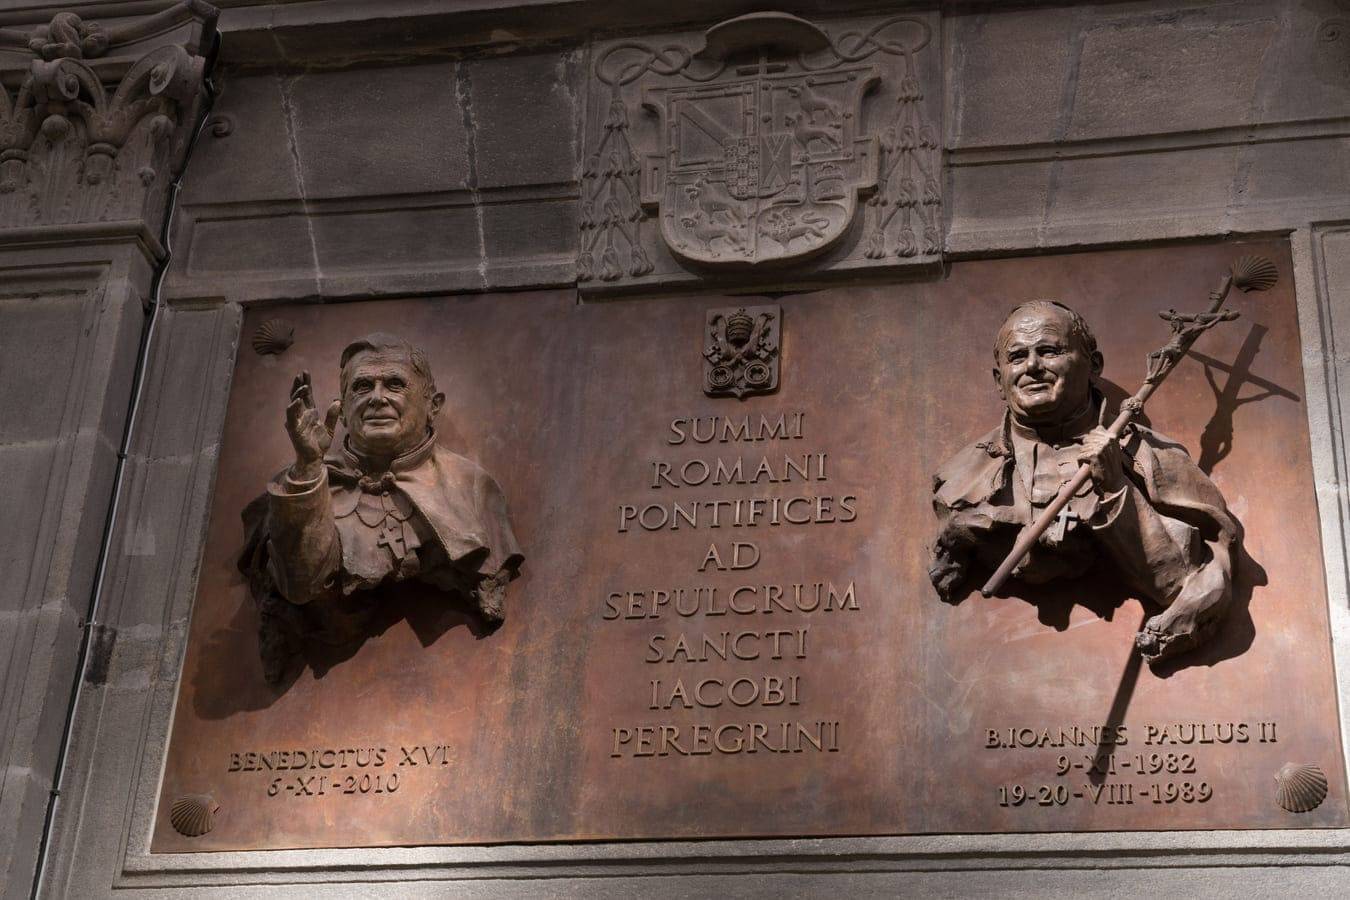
[391,536]
[1060,527]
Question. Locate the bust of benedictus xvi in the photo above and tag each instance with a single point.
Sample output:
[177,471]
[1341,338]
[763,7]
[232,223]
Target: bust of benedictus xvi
[1149,518]
[389,506]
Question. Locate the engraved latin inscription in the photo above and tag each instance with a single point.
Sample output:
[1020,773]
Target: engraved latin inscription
[370,771]
[748,479]
[1162,763]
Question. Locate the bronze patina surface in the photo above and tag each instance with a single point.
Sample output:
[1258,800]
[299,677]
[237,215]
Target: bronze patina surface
[342,522]
[850,701]
[1078,494]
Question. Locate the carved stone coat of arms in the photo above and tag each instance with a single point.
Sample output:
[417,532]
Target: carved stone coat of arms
[764,168]
[755,146]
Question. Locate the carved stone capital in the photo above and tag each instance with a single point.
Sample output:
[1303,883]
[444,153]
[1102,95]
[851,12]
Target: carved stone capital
[94,119]
[765,149]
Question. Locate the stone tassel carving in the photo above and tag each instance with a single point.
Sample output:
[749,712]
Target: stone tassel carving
[99,116]
[906,209]
[611,214]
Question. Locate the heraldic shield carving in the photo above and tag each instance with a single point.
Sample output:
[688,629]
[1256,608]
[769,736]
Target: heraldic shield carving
[755,149]
[763,169]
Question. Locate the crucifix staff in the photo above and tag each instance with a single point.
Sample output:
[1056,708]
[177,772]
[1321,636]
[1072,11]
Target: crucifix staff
[1250,273]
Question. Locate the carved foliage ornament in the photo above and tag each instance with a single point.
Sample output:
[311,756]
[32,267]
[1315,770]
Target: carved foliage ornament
[86,122]
[756,148]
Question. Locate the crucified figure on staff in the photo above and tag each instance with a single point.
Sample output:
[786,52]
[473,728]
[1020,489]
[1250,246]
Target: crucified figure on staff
[1069,486]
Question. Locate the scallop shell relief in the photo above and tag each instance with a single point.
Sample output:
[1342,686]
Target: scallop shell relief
[1300,788]
[273,337]
[1254,273]
[193,815]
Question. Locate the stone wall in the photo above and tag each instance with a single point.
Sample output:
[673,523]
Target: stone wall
[402,148]
[95,123]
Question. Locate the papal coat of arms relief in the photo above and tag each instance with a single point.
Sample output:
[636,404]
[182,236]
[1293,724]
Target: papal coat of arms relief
[740,356]
[768,141]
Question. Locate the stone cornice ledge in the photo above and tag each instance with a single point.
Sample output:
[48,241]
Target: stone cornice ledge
[341,32]
[136,233]
[1046,851]
[94,117]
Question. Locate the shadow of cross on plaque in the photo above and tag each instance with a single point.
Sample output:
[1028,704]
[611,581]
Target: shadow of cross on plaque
[1115,716]
[1216,442]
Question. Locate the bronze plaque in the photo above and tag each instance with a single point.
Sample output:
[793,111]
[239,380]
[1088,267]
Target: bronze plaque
[724,624]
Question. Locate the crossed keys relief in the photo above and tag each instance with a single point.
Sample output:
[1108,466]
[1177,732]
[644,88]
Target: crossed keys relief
[742,351]
[755,148]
